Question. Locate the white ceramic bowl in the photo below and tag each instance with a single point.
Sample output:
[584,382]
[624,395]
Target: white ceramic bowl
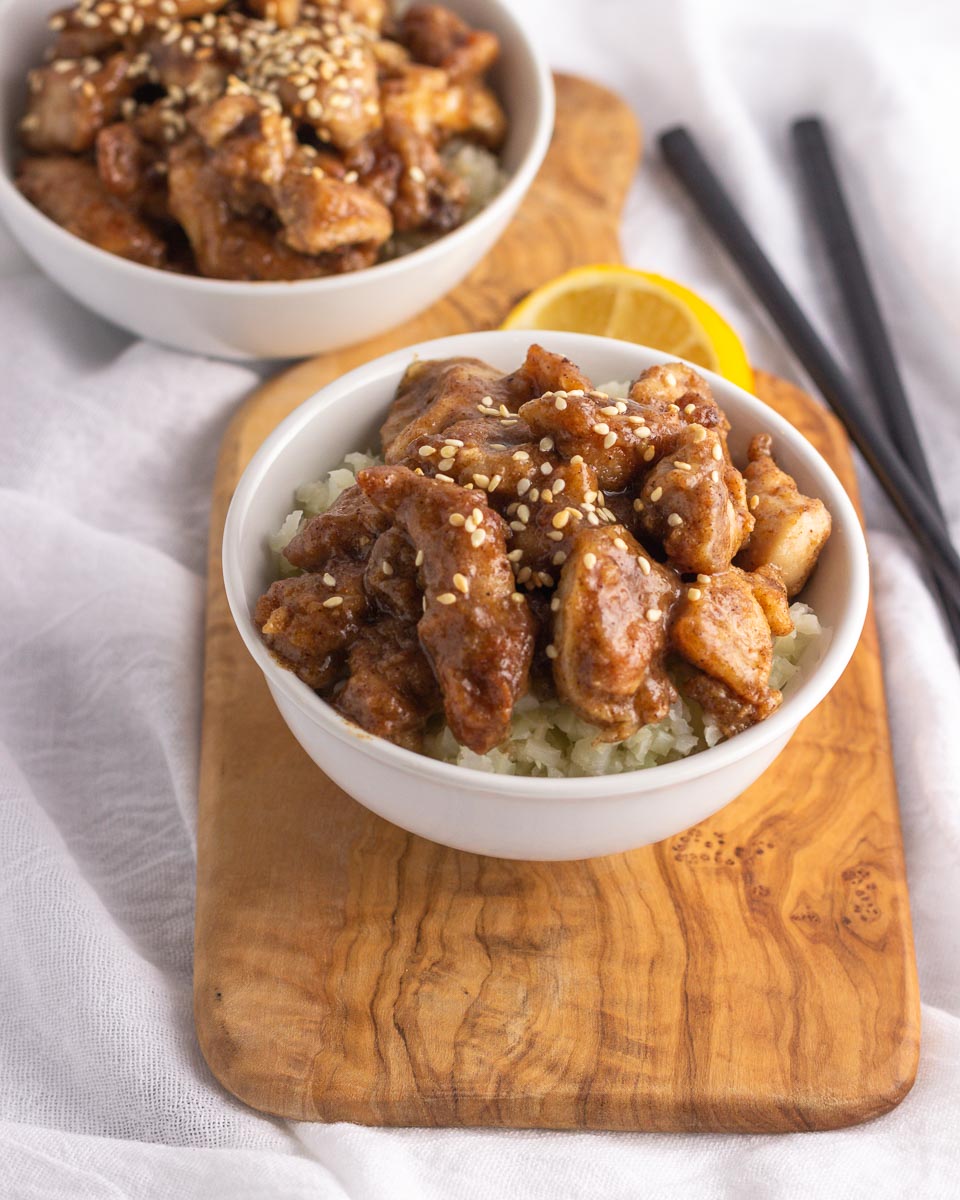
[274,320]
[509,816]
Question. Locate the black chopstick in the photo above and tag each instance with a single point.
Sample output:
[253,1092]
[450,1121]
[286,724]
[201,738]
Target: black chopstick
[863,311]
[909,498]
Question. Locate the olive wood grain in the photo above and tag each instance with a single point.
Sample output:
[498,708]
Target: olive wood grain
[753,973]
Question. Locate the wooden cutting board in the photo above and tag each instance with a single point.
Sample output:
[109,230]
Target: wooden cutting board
[753,973]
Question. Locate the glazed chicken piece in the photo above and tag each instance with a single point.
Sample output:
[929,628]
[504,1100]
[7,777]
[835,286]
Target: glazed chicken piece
[310,621]
[390,576]
[610,633]
[426,194]
[93,26]
[71,193]
[348,529]
[725,708]
[721,628]
[791,529]
[545,371]
[439,38]
[672,397]
[476,630]
[696,503]
[133,169]
[426,101]
[391,690]
[433,395]
[71,101]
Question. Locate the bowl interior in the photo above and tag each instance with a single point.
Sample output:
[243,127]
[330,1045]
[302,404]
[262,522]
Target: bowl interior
[346,415]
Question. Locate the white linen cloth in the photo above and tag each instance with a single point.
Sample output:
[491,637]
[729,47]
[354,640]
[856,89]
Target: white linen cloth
[107,454]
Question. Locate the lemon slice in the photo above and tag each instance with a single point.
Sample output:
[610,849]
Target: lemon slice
[637,306]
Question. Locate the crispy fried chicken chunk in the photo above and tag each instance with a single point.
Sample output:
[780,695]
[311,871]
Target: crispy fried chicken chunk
[348,529]
[312,620]
[720,627]
[70,192]
[610,633]
[790,529]
[438,37]
[696,503]
[71,101]
[391,690]
[478,638]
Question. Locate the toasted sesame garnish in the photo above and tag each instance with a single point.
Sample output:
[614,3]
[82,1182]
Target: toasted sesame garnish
[609,440]
[457,519]
[644,564]
[477,538]
[576,460]
[546,469]
[670,379]
[461,583]
[717,452]
[674,408]
[386,568]
[477,515]
[551,651]
[523,513]
[524,574]
[546,443]
[682,466]
[523,487]
[754,501]
[648,454]
[448,452]
[517,526]
[329,580]
[590,496]
[674,520]
[638,505]
[620,543]
[715,476]
[656,494]
[446,598]
[653,614]
[555,604]
[520,456]
[601,428]
[469,524]
[559,558]
[418,561]
[533,495]
[558,486]
[689,409]
[698,434]
[333,602]
[517,597]
[560,519]
[494,483]
[694,594]
[593,519]
[547,495]
[481,481]
[515,556]
[555,535]
[589,559]
[610,411]
[444,478]
[560,404]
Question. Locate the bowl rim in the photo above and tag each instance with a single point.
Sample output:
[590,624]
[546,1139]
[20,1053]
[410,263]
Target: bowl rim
[506,201]
[844,633]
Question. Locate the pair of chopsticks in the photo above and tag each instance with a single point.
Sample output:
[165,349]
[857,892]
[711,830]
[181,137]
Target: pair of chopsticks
[894,452]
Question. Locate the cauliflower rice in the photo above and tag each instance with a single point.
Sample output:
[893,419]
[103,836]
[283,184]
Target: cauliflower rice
[546,737]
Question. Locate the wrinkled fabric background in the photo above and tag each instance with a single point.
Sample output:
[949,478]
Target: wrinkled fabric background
[107,451]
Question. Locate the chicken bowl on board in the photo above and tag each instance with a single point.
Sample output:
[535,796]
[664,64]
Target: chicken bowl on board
[518,815]
[313,214]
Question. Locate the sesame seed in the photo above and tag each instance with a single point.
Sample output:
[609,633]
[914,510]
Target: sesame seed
[555,535]
[494,483]
[555,604]
[648,454]
[333,602]
[426,451]
[469,524]
[504,411]
[520,456]
[560,519]
[517,526]
[694,594]
[456,519]
[446,598]
[653,614]
[546,469]
[621,407]
[546,443]
[448,452]
[477,538]
[523,513]
[715,476]
[717,452]
[682,466]
[453,442]
[386,568]
[670,379]
[620,543]
[461,583]
[689,409]
[656,494]
[481,481]
[417,175]
[515,555]
[601,427]
[517,597]
[559,558]
[524,574]
[560,404]
[698,434]
[593,519]
[638,505]
[609,440]
[551,651]
[674,520]
[523,487]
[589,559]
[418,561]
[610,411]
[575,392]
[644,564]
[547,496]
[329,580]
[754,501]
[576,460]
[534,495]
[559,485]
